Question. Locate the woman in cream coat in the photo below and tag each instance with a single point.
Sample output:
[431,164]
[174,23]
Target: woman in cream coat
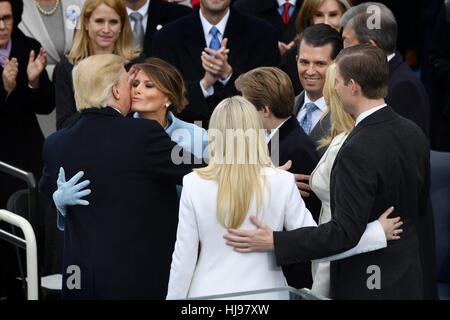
[37,16]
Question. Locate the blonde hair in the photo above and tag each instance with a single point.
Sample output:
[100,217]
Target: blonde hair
[236,133]
[124,46]
[341,121]
[310,7]
[93,79]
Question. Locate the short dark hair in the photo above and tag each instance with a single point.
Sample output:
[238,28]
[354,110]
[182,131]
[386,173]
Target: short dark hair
[319,35]
[17,9]
[366,65]
[268,86]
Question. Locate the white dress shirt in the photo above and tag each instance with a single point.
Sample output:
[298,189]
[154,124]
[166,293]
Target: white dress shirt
[144,12]
[272,132]
[367,113]
[317,114]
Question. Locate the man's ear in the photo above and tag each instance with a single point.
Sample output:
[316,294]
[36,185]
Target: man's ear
[266,111]
[355,87]
[115,92]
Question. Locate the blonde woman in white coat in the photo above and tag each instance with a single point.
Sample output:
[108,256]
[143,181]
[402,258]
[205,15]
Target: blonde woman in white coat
[53,23]
[224,195]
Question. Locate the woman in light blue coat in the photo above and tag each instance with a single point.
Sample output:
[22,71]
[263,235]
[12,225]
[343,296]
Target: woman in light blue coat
[157,92]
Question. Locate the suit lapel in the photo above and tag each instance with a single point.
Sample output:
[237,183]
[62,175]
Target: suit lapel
[321,129]
[234,31]
[155,15]
[194,40]
[299,101]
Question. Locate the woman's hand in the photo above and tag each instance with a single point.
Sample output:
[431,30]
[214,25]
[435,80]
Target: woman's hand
[35,67]
[9,75]
[390,226]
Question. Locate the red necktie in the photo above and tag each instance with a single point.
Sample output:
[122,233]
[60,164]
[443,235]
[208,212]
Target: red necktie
[285,17]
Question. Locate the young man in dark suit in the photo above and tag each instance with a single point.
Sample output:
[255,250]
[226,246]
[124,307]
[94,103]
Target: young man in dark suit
[270,90]
[121,245]
[235,43]
[151,16]
[407,96]
[384,161]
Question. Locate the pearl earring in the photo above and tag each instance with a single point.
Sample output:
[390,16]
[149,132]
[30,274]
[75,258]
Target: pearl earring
[167,104]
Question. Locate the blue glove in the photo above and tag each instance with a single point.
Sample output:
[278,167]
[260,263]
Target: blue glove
[69,194]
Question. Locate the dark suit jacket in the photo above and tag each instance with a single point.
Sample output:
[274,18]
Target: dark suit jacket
[384,162]
[267,10]
[295,145]
[21,138]
[288,64]
[407,94]
[161,13]
[252,43]
[320,130]
[123,241]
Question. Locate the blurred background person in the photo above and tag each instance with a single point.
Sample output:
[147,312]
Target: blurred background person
[148,17]
[25,90]
[53,23]
[440,60]
[104,28]
[281,14]
[312,12]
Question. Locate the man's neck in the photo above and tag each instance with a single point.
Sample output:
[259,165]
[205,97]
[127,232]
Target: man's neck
[275,123]
[213,17]
[367,104]
[135,6]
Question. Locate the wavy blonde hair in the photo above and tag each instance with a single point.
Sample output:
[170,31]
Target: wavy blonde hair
[238,153]
[341,121]
[124,45]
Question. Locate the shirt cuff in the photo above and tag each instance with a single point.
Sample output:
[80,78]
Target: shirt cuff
[224,82]
[207,92]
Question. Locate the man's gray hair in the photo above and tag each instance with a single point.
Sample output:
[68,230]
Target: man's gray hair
[373,21]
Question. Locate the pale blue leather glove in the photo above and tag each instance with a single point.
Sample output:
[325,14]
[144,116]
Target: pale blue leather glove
[69,194]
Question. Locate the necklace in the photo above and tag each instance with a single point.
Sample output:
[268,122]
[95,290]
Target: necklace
[47,13]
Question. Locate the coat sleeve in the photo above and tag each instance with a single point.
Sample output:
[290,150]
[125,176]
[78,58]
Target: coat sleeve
[64,95]
[355,179]
[184,258]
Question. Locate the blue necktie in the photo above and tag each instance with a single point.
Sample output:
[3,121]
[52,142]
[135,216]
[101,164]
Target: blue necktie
[306,121]
[215,42]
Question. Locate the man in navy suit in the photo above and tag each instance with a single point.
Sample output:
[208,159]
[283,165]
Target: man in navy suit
[120,246]
[154,15]
[235,43]
[406,95]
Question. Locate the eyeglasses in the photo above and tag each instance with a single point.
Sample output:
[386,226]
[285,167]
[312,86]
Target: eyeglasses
[7,20]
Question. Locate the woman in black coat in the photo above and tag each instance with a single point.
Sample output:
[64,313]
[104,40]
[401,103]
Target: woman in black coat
[24,90]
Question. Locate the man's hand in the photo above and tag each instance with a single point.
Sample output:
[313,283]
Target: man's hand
[244,241]
[283,47]
[217,61]
[9,75]
[36,66]
[286,166]
[301,185]
[68,192]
